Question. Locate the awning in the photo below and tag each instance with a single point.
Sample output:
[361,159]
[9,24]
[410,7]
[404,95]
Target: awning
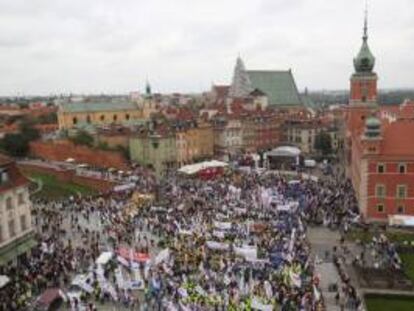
[195,168]
[284,151]
[16,248]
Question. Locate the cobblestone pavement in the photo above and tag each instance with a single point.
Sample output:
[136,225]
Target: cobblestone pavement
[322,241]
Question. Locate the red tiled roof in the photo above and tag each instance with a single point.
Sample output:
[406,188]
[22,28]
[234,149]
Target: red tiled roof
[16,179]
[406,110]
[395,139]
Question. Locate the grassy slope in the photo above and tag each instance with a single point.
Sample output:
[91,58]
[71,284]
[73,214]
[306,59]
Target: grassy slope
[389,303]
[408,261]
[54,189]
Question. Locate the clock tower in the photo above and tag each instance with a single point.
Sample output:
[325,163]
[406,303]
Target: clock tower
[364,79]
[363,94]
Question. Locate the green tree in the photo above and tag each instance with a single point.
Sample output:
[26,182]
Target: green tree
[124,150]
[83,138]
[28,131]
[103,145]
[16,145]
[323,143]
[47,118]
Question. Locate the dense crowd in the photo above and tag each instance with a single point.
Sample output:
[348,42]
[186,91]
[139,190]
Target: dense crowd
[233,243]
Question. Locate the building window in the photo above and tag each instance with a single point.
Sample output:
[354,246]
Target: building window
[401,191]
[380,208]
[400,209]
[23,223]
[75,121]
[127,116]
[102,118]
[115,117]
[380,168]
[380,191]
[9,204]
[21,198]
[402,168]
[88,119]
[12,229]
[4,177]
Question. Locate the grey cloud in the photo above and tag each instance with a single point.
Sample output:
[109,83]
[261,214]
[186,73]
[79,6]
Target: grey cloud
[49,46]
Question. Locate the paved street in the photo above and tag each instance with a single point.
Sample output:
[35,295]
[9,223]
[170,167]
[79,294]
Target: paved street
[322,241]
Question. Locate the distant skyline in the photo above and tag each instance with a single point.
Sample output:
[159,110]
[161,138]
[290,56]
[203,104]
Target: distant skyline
[74,46]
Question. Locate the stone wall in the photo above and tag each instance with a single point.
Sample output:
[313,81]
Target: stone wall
[68,175]
[60,150]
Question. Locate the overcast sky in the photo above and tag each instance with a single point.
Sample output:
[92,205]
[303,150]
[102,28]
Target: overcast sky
[94,46]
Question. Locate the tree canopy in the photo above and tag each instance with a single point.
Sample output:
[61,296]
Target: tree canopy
[16,145]
[83,138]
[323,143]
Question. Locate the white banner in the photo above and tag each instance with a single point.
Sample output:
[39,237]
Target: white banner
[120,282]
[256,304]
[136,282]
[185,232]
[222,225]
[217,245]
[104,258]
[248,252]
[81,281]
[219,234]
[162,256]
[124,187]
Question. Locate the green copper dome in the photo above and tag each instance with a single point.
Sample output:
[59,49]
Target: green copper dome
[372,127]
[365,61]
[373,123]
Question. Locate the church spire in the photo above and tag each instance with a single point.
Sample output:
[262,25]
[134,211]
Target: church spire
[365,37]
[365,60]
[147,88]
[241,85]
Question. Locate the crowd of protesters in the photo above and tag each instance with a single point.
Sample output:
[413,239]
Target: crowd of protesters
[235,242]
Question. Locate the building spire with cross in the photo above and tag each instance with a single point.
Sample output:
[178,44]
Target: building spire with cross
[365,60]
[147,88]
[365,37]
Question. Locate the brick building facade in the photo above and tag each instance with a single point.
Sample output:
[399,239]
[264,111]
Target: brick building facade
[379,153]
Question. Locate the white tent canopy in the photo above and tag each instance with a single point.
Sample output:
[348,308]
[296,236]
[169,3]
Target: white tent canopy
[284,151]
[4,280]
[401,220]
[195,168]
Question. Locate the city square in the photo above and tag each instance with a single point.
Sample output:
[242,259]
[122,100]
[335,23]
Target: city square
[206,156]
